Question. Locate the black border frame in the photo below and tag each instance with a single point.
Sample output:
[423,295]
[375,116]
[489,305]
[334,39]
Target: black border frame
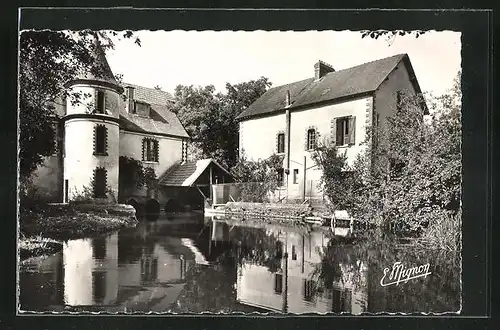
[477,79]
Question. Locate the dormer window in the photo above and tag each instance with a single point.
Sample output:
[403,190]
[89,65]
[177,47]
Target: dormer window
[142,109]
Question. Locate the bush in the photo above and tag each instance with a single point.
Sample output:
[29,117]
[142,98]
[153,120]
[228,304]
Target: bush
[259,178]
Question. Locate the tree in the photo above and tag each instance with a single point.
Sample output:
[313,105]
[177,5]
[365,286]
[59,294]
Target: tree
[47,60]
[210,117]
[413,182]
[258,178]
[133,175]
[223,129]
[337,179]
[416,180]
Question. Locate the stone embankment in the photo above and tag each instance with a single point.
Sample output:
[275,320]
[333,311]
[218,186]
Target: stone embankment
[44,227]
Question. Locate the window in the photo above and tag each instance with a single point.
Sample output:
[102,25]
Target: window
[100,140]
[341,300]
[345,128]
[66,190]
[149,150]
[99,248]
[308,291]
[278,283]
[279,249]
[376,126]
[99,286]
[56,140]
[399,100]
[100,101]
[281,177]
[149,269]
[295,176]
[294,253]
[311,139]
[281,143]
[396,167]
[376,119]
[100,182]
[142,109]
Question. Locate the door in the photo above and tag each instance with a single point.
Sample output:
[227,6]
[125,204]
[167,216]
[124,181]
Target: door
[66,185]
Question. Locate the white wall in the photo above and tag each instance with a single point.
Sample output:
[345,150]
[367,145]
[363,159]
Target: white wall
[80,161]
[88,102]
[385,96]
[169,150]
[77,258]
[258,136]
[255,286]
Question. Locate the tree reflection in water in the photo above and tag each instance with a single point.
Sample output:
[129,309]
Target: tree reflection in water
[213,288]
[438,292]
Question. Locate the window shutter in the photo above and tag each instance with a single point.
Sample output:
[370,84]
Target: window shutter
[398,101]
[96,100]
[339,131]
[109,103]
[157,150]
[278,143]
[306,139]
[352,130]
[144,149]
[333,132]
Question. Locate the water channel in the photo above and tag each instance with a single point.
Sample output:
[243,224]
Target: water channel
[193,265]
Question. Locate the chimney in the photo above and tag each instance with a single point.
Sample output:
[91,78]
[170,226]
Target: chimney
[130,99]
[321,69]
[288,102]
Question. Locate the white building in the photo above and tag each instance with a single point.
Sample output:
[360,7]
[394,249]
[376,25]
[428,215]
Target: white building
[331,107]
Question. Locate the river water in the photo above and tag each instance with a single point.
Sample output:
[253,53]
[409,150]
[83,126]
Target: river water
[193,265]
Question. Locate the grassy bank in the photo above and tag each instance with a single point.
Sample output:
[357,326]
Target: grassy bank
[43,228]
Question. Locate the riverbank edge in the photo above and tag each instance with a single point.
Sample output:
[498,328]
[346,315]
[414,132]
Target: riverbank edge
[44,228]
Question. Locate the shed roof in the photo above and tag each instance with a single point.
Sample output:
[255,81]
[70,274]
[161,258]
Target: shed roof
[185,174]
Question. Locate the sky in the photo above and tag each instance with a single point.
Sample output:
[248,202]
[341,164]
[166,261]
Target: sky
[170,58]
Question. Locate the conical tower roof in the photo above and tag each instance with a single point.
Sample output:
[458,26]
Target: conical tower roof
[100,72]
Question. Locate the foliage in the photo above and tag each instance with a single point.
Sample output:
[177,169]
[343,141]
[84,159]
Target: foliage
[83,195]
[260,177]
[409,178]
[150,178]
[415,175]
[258,247]
[47,60]
[210,117]
[379,33]
[338,180]
[86,194]
[133,175]
[360,266]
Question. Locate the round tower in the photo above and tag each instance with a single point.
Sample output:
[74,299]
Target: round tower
[91,133]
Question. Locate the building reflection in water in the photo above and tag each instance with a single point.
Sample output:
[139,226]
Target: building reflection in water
[91,271]
[295,287]
[149,277]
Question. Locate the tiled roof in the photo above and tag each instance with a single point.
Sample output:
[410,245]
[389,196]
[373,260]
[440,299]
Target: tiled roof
[150,95]
[353,81]
[185,174]
[161,121]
